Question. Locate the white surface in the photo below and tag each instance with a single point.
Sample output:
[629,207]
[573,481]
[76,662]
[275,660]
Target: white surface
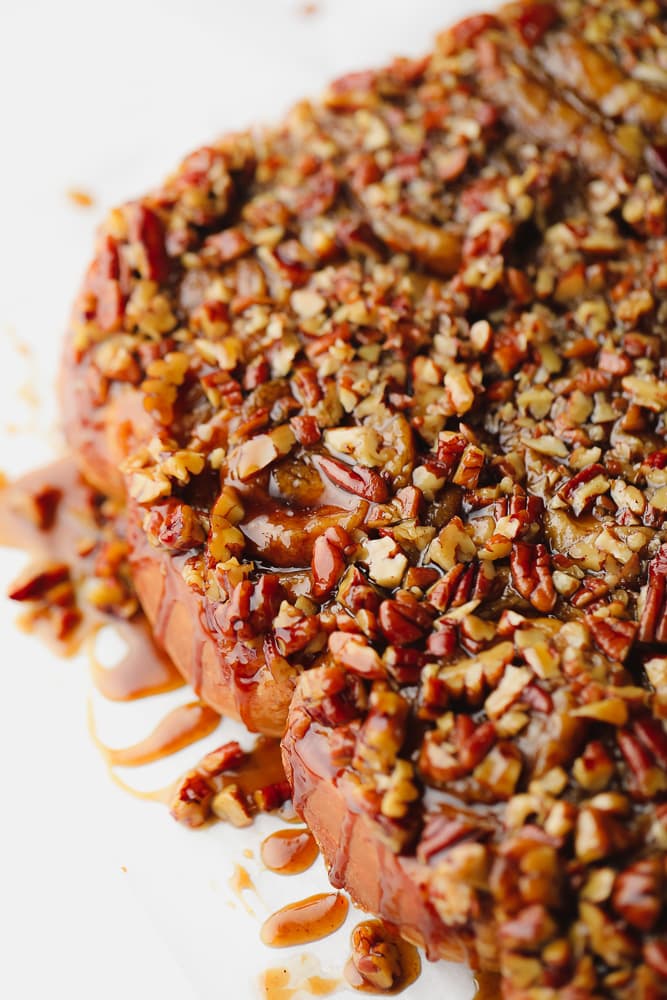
[108,98]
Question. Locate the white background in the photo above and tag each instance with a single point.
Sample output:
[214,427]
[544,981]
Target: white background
[108,97]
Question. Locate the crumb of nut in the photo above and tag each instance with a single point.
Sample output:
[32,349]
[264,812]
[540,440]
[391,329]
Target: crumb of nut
[80,197]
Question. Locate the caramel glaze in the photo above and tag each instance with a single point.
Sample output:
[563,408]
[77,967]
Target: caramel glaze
[308,920]
[276,984]
[179,728]
[261,767]
[488,986]
[144,669]
[406,956]
[289,852]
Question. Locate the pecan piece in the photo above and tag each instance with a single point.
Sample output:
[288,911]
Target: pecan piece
[583,489]
[35,584]
[638,893]
[655,956]
[614,636]
[535,20]
[376,955]
[397,623]
[145,228]
[531,575]
[353,653]
[653,622]
[647,778]
[328,561]
[173,525]
[361,481]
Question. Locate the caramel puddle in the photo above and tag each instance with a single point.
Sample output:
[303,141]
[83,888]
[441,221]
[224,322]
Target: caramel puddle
[285,982]
[305,921]
[289,852]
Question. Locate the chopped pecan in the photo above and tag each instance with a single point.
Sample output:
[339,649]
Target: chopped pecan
[653,622]
[145,228]
[328,561]
[173,525]
[638,893]
[354,653]
[531,575]
[582,490]
[35,584]
[614,636]
[363,482]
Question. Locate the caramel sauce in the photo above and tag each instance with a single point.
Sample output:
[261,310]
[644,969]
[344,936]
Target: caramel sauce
[406,957]
[488,986]
[281,984]
[308,920]
[289,852]
[262,766]
[162,795]
[143,670]
[241,882]
[179,728]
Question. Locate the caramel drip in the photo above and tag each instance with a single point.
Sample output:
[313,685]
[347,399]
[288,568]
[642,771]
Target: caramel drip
[488,986]
[162,795]
[404,960]
[289,852]
[143,670]
[241,882]
[308,920]
[181,727]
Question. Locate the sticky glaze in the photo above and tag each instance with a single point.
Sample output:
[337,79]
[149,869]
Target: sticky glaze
[181,727]
[289,852]
[143,670]
[305,921]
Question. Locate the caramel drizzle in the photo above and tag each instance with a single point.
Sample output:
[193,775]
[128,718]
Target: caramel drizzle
[143,670]
[178,729]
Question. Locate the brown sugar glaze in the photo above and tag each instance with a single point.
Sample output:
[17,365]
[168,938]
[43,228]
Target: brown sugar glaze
[406,956]
[305,921]
[289,852]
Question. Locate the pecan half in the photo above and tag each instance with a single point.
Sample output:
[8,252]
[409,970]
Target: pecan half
[531,575]
[653,622]
[359,480]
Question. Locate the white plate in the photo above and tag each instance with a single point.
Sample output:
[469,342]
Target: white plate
[101,895]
